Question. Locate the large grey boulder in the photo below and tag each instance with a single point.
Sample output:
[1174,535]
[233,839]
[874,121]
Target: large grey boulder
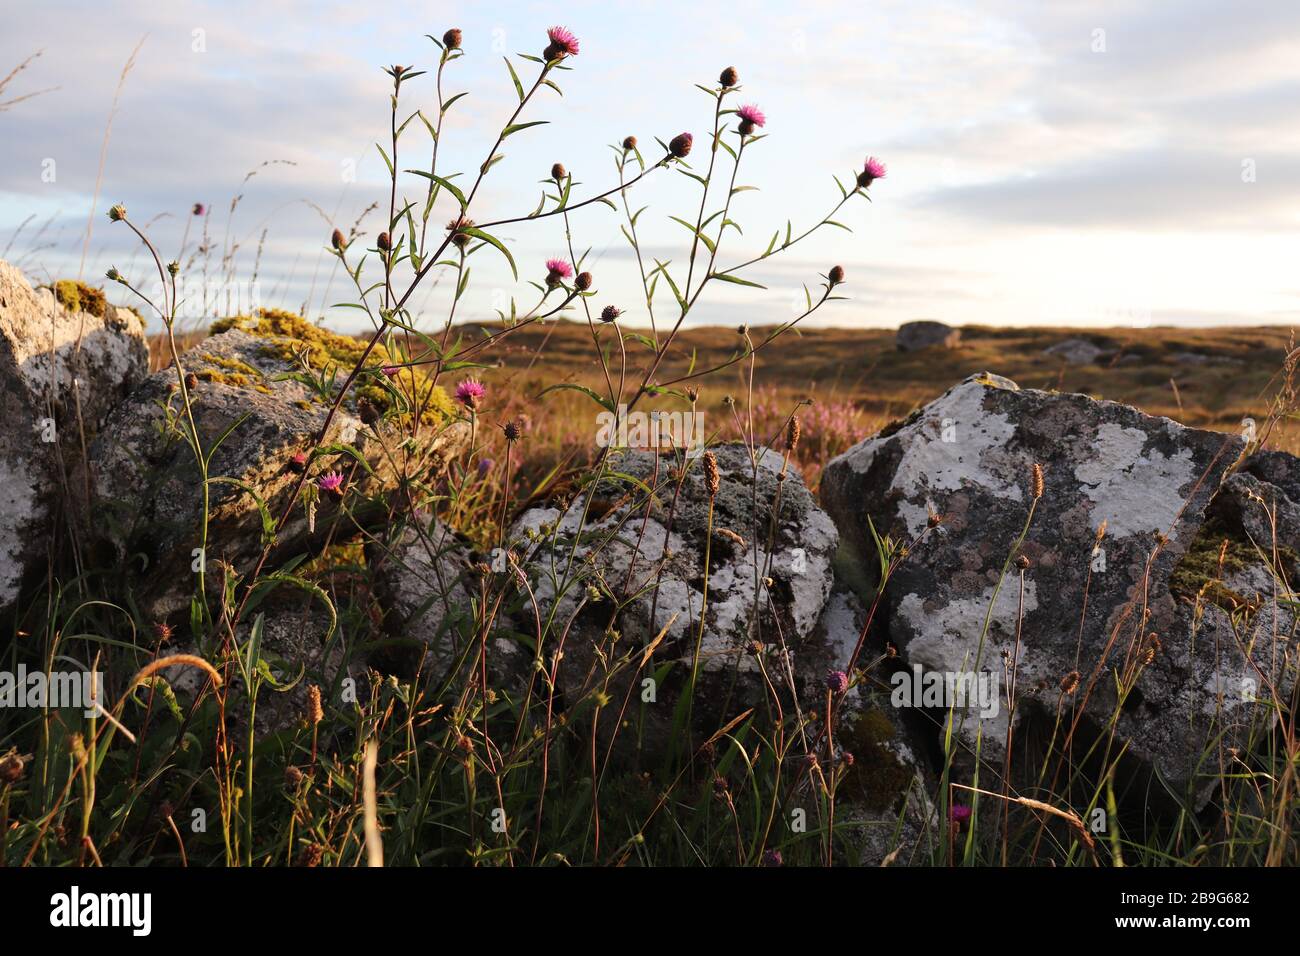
[914,336]
[613,575]
[1125,496]
[65,360]
[251,404]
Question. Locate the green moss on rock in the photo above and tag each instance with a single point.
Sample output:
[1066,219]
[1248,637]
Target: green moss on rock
[78,297]
[289,336]
[878,777]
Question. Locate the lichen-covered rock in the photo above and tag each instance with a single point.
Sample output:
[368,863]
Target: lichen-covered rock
[1125,496]
[768,575]
[257,402]
[914,336]
[65,360]
[428,582]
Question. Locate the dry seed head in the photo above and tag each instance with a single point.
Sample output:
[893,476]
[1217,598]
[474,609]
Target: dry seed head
[711,479]
[315,713]
[11,766]
[1070,683]
[1223,555]
[1037,476]
[792,434]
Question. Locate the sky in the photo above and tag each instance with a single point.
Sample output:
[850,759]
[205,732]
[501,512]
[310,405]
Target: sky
[1090,164]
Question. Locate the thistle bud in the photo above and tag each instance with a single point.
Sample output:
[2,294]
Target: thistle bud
[609,313]
[191,380]
[116,213]
[558,172]
[338,241]
[729,77]
[113,274]
[513,430]
[836,275]
[583,282]
[451,39]
[384,242]
[629,143]
[680,145]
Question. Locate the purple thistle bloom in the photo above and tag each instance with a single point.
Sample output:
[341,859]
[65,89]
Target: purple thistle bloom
[837,682]
[563,43]
[558,268]
[331,482]
[959,813]
[469,391]
[773,858]
[751,116]
[872,170]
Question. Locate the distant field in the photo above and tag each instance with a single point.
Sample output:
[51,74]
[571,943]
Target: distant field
[1211,378]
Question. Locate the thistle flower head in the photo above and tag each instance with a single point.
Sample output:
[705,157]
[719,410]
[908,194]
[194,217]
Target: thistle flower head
[680,145]
[298,461]
[872,170]
[451,39]
[959,813]
[331,482]
[11,766]
[837,682]
[513,430]
[116,213]
[113,274]
[558,172]
[557,270]
[338,240]
[750,117]
[836,275]
[772,858]
[610,313]
[199,209]
[563,43]
[384,242]
[583,282]
[729,77]
[162,632]
[1070,683]
[469,391]
[456,227]
[629,143]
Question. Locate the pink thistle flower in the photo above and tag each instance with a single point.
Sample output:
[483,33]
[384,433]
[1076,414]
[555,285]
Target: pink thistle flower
[331,483]
[557,270]
[750,117]
[299,461]
[390,370]
[469,391]
[959,813]
[872,170]
[563,43]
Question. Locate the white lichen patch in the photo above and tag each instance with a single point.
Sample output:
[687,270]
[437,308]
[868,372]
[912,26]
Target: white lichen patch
[947,638]
[1132,491]
[956,442]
